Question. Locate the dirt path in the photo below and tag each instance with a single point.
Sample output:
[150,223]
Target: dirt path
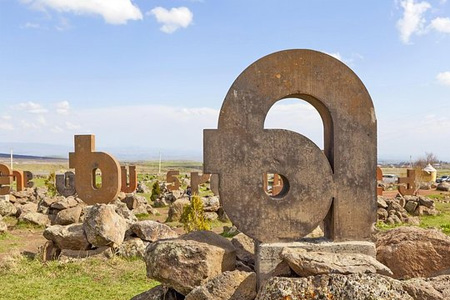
[26,241]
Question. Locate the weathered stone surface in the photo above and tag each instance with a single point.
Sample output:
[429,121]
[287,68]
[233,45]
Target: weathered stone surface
[152,231]
[64,203]
[231,285]
[26,208]
[159,292]
[189,261]
[65,184]
[103,226]
[441,284]
[211,204]
[176,209]
[335,286]
[443,186]
[68,254]
[7,208]
[134,247]
[419,289]
[67,237]
[3,226]
[306,263]
[381,202]
[411,206]
[128,179]
[35,218]
[68,216]
[414,252]
[241,151]
[131,201]
[245,249]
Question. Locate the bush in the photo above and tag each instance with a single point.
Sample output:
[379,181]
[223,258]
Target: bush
[193,217]
[156,191]
[50,184]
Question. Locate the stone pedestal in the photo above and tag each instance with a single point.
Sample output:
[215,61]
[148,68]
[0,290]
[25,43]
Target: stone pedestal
[268,262]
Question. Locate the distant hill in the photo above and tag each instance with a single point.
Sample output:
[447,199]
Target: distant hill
[18,156]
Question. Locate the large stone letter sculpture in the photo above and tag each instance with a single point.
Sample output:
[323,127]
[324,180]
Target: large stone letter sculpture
[5,180]
[86,161]
[65,184]
[28,176]
[337,185]
[196,180]
[129,181]
[410,181]
[379,177]
[173,183]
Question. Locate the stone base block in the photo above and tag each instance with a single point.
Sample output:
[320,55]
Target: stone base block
[269,264]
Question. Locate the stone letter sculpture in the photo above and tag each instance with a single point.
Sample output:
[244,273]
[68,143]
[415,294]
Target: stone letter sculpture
[337,185]
[379,177]
[129,183]
[5,180]
[65,184]
[410,181]
[196,180]
[173,183]
[86,161]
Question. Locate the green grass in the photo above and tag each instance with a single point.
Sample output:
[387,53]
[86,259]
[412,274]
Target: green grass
[441,221]
[383,226]
[27,225]
[89,279]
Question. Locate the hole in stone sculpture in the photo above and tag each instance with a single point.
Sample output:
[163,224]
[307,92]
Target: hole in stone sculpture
[296,115]
[97,178]
[275,185]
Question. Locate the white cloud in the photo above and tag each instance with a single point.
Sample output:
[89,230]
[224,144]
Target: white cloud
[72,126]
[63,107]
[6,126]
[41,120]
[6,117]
[443,78]
[441,25]
[56,129]
[30,25]
[31,107]
[172,19]
[412,21]
[112,11]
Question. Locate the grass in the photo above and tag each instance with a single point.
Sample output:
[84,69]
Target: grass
[441,221]
[88,279]
[7,242]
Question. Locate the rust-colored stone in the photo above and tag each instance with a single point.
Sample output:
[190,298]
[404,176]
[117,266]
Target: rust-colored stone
[410,181]
[129,180]
[19,179]
[197,179]
[5,179]
[86,162]
[379,177]
[28,177]
[337,186]
[277,185]
[65,184]
[173,183]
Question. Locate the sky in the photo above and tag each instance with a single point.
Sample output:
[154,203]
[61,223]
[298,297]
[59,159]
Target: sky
[147,76]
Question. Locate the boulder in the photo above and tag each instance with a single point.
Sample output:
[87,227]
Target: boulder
[231,285]
[210,216]
[411,206]
[441,284]
[131,201]
[382,214]
[381,202]
[26,208]
[3,226]
[68,216]
[305,263]
[245,249]
[211,204]
[417,288]
[414,252]
[159,292]
[134,247]
[103,226]
[333,286]
[443,186]
[426,202]
[190,260]
[176,209]
[7,208]
[124,212]
[69,255]
[67,237]
[35,218]
[152,231]
[64,203]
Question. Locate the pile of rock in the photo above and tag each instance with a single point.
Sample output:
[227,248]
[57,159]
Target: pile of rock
[211,207]
[105,229]
[404,209]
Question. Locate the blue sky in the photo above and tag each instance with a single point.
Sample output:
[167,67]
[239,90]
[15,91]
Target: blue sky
[147,75]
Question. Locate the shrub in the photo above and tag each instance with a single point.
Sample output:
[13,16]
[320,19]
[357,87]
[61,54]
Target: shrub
[50,184]
[156,191]
[193,217]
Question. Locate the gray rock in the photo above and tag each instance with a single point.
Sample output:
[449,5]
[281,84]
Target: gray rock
[381,202]
[426,202]
[64,203]
[211,204]
[421,290]
[7,208]
[69,255]
[334,286]
[176,209]
[159,292]
[67,237]
[210,216]
[35,218]
[441,284]
[190,260]
[231,285]
[245,249]
[3,226]
[103,226]
[306,263]
[26,208]
[134,247]
[68,216]
[443,186]
[152,231]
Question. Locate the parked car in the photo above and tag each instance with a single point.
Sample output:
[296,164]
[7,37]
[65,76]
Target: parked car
[390,178]
[444,178]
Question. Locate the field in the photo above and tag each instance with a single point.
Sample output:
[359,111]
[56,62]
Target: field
[24,276]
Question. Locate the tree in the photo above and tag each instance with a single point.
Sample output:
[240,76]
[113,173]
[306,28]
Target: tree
[193,217]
